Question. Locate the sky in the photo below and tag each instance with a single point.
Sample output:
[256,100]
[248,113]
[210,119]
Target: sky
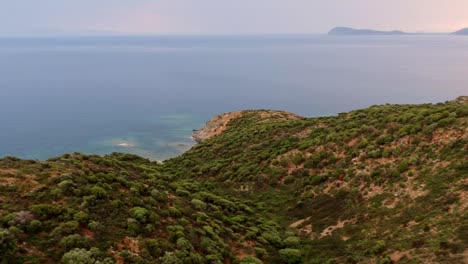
[50,17]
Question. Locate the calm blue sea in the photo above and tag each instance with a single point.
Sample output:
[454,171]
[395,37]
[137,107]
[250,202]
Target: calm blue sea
[144,95]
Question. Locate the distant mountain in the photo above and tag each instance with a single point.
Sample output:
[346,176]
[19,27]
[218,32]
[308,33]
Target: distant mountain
[462,32]
[352,31]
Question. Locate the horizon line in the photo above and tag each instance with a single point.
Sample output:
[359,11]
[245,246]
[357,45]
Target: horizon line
[36,36]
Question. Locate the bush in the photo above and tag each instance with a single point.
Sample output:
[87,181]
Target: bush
[8,247]
[272,237]
[133,226]
[291,256]
[198,204]
[83,256]
[81,217]
[250,260]
[170,259]
[66,228]
[99,192]
[140,213]
[298,159]
[74,241]
[66,186]
[45,211]
[35,226]
[260,251]
[95,226]
[403,166]
[184,244]
[154,248]
[292,241]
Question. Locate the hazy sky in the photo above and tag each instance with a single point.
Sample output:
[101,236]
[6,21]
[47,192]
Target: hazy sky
[36,17]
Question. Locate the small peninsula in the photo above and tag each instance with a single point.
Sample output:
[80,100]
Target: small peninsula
[346,31]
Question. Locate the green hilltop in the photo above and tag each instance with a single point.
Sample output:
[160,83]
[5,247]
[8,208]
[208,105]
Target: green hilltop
[385,184]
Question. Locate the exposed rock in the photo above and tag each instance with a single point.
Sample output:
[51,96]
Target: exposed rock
[220,123]
[215,126]
[461,100]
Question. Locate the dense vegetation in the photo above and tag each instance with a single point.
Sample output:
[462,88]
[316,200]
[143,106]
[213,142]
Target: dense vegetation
[387,184]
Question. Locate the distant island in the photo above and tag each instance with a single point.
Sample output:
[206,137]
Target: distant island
[347,31]
[461,32]
[352,31]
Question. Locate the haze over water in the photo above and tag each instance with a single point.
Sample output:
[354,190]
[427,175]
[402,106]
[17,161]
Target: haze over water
[144,95]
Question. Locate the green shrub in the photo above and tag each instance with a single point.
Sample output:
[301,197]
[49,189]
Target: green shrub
[83,256]
[198,204]
[45,211]
[8,247]
[291,256]
[272,237]
[292,241]
[298,159]
[34,226]
[81,217]
[141,214]
[98,192]
[74,241]
[250,260]
[403,166]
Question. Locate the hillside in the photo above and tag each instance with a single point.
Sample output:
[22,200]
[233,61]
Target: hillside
[352,31]
[386,184]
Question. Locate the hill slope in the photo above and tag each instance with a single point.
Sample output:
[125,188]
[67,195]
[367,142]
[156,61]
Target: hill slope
[378,185]
[393,174]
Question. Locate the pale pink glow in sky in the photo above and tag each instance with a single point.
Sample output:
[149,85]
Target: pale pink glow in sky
[141,20]
[229,17]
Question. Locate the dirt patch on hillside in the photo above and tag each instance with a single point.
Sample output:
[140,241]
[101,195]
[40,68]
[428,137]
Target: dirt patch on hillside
[8,172]
[244,252]
[461,100]
[306,230]
[88,233]
[372,191]
[329,230]
[335,185]
[463,202]
[398,255]
[128,243]
[298,223]
[279,116]
[444,136]
[27,182]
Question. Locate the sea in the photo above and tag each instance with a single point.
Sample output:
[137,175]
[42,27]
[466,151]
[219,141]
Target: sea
[145,94]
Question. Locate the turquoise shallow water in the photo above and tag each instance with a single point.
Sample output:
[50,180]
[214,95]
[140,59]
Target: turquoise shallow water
[170,137]
[159,138]
[144,95]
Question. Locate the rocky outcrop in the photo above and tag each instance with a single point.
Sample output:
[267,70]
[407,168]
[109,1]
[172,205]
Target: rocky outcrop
[220,123]
[215,126]
[462,100]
